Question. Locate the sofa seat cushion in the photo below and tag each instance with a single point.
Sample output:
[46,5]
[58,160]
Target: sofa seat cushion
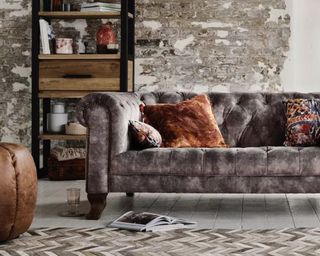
[208,162]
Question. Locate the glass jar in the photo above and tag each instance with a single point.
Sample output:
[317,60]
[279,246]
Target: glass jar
[57,5]
[104,37]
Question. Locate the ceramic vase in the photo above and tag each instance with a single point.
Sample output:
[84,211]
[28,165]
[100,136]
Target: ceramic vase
[57,119]
[104,37]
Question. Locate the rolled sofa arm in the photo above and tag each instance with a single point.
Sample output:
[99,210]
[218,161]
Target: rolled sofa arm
[106,115]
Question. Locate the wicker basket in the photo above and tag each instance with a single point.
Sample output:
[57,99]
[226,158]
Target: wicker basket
[75,129]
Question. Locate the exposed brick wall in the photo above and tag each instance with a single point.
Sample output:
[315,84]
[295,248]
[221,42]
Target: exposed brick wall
[209,45]
[203,45]
[15,71]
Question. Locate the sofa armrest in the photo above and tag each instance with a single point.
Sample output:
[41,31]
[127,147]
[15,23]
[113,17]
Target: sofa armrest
[106,115]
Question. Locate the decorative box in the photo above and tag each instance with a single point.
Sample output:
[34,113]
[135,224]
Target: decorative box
[66,170]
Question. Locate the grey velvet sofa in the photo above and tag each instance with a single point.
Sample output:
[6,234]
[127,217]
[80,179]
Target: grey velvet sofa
[253,124]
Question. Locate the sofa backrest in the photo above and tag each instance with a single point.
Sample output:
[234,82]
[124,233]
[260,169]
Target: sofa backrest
[245,119]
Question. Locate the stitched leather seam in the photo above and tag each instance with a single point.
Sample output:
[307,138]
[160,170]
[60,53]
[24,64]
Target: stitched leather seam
[207,176]
[17,189]
[239,139]
[203,160]
[109,147]
[87,157]
[267,161]
[235,163]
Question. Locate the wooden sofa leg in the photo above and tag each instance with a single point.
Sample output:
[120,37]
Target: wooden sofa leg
[130,194]
[98,202]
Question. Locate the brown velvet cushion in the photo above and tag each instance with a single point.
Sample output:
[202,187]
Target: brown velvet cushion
[190,123]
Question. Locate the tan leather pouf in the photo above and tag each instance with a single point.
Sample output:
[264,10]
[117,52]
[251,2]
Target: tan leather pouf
[18,190]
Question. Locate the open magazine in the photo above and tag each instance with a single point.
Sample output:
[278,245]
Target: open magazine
[146,221]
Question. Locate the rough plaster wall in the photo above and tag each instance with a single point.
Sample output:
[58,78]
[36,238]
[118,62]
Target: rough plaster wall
[211,45]
[203,45]
[15,71]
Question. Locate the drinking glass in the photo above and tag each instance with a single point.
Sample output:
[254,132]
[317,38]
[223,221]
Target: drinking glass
[73,200]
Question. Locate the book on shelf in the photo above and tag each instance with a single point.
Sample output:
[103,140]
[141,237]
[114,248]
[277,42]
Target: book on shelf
[146,221]
[100,7]
[44,35]
[101,4]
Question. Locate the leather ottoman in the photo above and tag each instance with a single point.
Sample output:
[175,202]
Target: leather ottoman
[18,190]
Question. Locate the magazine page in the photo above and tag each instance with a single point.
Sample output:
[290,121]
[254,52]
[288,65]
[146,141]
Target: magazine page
[160,220]
[134,221]
[183,221]
[142,218]
[167,220]
[146,221]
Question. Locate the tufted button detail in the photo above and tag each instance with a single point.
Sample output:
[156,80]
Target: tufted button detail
[246,119]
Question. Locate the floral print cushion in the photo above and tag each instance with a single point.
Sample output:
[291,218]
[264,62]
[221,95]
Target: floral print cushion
[144,135]
[303,122]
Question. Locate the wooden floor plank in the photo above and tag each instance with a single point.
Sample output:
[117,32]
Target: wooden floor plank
[185,206]
[254,212]
[303,212]
[230,212]
[314,200]
[206,211]
[278,211]
[164,203]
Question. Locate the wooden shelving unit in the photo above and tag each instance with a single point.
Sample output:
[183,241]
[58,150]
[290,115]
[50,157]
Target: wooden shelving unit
[62,94]
[73,76]
[79,56]
[82,15]
[61,137]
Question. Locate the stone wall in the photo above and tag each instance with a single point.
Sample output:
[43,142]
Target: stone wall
[15,71]
[203,45]
[210,45]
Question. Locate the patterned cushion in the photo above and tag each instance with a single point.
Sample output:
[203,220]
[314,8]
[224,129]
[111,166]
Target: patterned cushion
[190,123]
[144,135]
[303,122]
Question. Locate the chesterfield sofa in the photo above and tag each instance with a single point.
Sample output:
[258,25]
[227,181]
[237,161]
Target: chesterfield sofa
[252,124]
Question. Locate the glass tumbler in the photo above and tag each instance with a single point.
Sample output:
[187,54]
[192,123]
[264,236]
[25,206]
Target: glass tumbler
[73,200]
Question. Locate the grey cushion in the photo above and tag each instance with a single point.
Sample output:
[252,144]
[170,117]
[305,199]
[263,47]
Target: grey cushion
[244,162]
[216,184]
[284,161]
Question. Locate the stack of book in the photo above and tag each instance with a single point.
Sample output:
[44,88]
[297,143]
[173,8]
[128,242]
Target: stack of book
[100,7]
[47,36]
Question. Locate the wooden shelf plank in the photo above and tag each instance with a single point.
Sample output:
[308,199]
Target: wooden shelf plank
[82,15]
[62,137]
[79,56]
[79,84]
[63,94]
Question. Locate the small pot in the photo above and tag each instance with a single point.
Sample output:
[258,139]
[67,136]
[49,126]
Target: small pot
[56,122]
[58,108]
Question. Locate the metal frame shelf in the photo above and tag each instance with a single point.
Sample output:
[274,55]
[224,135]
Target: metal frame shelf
[127,19]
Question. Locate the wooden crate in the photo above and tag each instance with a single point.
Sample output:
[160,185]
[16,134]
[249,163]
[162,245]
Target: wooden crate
[66,170]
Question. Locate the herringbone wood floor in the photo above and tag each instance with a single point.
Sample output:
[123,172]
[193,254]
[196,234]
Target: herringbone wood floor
[226,211]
